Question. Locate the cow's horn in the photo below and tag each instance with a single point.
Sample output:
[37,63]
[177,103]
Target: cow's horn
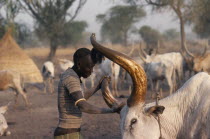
[187,51]
[107,95]
[136,71]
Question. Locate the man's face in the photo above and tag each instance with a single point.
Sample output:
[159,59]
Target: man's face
[86,66]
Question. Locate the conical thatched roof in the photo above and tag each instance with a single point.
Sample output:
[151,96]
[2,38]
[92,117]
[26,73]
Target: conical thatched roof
[14,58]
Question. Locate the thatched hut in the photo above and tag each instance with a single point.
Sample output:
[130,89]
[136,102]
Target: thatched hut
[14,58]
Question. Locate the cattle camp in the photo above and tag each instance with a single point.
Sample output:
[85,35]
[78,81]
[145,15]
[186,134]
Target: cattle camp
[131,69]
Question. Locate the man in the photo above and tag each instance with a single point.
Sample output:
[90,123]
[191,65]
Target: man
[71,97]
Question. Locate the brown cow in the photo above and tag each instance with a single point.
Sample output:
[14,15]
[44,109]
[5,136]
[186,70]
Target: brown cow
[14,80]
[198,63]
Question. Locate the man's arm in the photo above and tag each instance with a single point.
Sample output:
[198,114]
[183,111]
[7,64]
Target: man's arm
[88,93]
[84,106]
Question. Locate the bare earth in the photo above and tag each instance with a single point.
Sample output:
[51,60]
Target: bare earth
[40,120]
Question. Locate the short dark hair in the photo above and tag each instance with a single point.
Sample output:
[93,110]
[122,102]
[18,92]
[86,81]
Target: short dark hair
[96,56]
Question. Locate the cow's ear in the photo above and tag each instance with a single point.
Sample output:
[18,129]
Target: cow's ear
[155,110]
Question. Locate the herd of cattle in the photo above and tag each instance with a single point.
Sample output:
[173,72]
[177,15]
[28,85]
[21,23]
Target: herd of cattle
[183,115]
[186,111]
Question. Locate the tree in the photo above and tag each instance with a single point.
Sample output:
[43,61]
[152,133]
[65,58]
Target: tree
[2,26]
[171,34]
[73,32]
[150,36]
[117,22]
[181,8]
[12,8]
[51,16]
[201,17]
[22,34]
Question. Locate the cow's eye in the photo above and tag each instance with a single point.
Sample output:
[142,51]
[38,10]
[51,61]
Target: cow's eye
[133,121]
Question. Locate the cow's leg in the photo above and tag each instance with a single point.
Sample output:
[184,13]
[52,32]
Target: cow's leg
[20,91]
[45,86]
[16,96]
[51,85]
[114,88]
[178,79]
[116,82]
[122,78]
[157,86]
[170,84]
[152,83]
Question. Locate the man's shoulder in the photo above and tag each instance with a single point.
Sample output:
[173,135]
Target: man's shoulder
[68,74]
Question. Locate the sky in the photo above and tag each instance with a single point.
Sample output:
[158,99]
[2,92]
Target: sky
[159,21]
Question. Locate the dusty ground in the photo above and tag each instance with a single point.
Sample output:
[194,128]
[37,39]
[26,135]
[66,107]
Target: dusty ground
[40,120]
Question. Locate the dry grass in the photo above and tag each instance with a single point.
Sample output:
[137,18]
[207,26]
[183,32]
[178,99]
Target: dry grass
[43,52]
[67,52]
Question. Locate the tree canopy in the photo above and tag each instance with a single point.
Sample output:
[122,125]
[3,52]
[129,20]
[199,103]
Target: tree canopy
[170,34]
[20,31]
[200,17]
[52,16]
[117,21]
[150,36]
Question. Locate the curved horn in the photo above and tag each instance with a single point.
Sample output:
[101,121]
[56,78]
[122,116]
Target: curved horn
[107,95]
[141,51]
[187,51]
[136,71]
[205,50]
[132,50]
[157,49]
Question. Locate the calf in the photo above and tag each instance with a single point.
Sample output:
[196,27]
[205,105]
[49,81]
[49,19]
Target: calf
[48,76]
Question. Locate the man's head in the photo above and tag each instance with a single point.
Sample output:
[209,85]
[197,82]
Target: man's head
[85,60]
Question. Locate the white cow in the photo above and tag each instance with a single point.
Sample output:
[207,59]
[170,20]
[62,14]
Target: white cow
[109,68]
[157,71]
[186,114]
[48,74]
[65,64]
[174,57]
[187,111]
[3,122]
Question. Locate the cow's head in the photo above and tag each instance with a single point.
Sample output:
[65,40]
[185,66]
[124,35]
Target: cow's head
[194,62]
[137,120]
[48,70]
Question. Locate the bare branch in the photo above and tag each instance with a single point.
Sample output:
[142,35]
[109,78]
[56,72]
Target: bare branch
[158,3]
[80,5]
